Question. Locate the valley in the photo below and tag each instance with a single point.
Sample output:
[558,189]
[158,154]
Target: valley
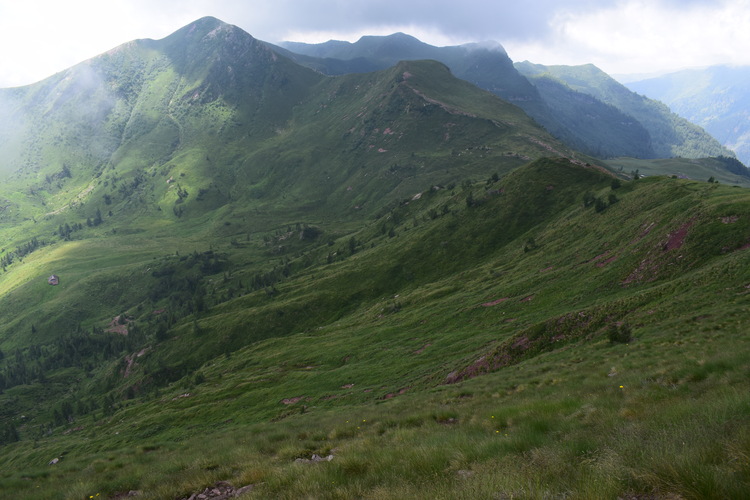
[382,284]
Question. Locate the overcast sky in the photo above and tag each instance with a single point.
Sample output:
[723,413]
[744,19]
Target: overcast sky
[39,37]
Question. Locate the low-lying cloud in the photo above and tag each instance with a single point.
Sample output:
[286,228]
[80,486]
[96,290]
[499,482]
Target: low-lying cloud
[40,38]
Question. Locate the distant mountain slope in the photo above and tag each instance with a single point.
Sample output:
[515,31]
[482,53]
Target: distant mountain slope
[485,65]
[716,98]
[588,121]
[489,67]
[218,112]
[671,135]
[589,124]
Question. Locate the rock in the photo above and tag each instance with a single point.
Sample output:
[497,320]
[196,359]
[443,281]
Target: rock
[129,494]
[315,458]
[222,490]
[243,490]
[465,474]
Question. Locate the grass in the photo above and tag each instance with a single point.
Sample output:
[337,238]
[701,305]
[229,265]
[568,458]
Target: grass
[698,169]
[592,438]
[662,414]
[443,335]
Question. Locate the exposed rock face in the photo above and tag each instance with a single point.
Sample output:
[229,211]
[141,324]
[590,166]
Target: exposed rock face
[220,491]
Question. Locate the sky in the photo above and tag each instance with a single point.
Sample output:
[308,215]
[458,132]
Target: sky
[41,37]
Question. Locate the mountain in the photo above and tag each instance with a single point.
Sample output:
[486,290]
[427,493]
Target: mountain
[670,134]
[486,65]
[208,135]
[715,98]
[608,122]
[226,273]
[150,108]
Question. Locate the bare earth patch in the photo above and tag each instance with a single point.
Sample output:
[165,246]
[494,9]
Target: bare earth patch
[421,349]
[495,302]
[649,267]
[677,238]
[606,261]
[291,401]
[119,324]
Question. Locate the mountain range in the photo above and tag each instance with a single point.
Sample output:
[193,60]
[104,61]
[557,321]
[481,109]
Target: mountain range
[226,270]
[582,106]
[715,98]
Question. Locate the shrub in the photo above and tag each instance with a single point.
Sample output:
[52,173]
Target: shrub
[619,333]
[600,205]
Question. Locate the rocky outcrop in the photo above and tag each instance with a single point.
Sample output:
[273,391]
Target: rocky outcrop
[220,491]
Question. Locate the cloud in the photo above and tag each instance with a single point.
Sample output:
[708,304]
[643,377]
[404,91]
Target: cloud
[40,37]
[469,20]
[646,36]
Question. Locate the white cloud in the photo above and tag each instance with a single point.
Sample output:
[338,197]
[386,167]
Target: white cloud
[430,36]
[40,37]
[644,37]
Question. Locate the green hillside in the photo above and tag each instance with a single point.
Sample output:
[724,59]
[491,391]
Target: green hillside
[720,169]
[671,135]
[379,285]
[716,98]
[579,105]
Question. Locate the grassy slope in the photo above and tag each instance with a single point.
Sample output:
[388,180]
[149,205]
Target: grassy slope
[698,169]
[336,161]
[713,98]
[229,301]
[671,135]
[374,338]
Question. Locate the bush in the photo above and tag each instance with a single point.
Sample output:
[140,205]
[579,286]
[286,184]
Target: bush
[619,333]
[600,205]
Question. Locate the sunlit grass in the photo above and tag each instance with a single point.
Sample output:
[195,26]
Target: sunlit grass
[352,359]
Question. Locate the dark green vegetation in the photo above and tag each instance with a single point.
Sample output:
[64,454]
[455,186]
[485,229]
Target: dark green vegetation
[715,98]
[667,134]
[259,264]
[580,105]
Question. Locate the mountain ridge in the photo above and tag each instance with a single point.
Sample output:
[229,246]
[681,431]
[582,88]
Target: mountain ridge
[258,265]
[616,122]
[250,100]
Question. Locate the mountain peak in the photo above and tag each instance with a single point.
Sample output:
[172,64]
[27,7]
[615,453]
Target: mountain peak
[393,37]
[204,23]
[489,45]
[205,27]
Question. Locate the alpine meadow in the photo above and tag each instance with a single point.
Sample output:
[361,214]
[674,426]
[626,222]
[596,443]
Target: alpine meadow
[380,270]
